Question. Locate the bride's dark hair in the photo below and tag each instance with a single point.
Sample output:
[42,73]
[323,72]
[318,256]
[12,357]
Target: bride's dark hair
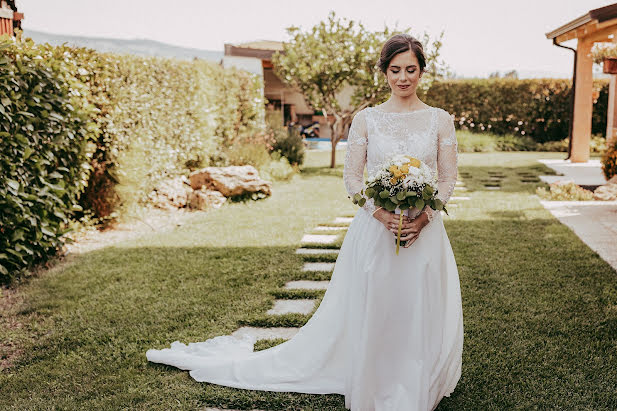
[400,43]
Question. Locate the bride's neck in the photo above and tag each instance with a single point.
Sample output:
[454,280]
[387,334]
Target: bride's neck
[404,103]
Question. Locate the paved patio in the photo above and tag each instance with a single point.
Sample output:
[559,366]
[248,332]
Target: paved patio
[594,222]
[583,174]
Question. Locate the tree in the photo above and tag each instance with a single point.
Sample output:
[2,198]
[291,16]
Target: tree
[337,53]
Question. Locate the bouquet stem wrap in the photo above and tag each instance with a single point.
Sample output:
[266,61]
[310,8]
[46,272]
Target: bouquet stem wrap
[398,237]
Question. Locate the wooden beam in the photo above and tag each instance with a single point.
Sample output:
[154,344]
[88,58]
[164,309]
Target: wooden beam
[602,34]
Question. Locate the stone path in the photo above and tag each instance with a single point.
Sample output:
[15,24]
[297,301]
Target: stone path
[317,251]
[301,305]
[319,238]
[594,222]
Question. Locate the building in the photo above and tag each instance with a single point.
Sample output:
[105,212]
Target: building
[256,57]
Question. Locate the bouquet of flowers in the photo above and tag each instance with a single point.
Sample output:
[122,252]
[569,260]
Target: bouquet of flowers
[402,183]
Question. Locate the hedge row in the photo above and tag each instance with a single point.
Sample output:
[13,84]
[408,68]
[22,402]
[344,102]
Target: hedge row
[162,117]
[80,127]
[45,126]
[537,108]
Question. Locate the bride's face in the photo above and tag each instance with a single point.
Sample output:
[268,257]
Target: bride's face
[403,74]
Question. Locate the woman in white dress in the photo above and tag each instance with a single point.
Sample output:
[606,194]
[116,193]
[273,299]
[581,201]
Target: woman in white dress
[388,334]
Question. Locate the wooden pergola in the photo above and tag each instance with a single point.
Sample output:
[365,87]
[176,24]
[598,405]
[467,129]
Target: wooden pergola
[596,26]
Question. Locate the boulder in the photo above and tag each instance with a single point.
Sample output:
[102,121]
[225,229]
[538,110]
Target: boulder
[205,199]
[606,192]
[172,193]
[230,181]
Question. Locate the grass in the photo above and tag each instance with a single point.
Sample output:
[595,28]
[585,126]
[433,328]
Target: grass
[540,307]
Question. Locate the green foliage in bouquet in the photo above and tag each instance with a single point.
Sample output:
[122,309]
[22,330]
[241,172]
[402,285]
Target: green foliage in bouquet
[404,200]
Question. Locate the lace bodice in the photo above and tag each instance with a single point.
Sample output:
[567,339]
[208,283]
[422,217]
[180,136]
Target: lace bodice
[427,134]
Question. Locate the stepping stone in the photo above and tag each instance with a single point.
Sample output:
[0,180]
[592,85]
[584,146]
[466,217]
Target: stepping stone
[307,285]
[452,205]
[459,183]
[317,251]
[301,306]
[318,267]
[325,228]
[343,219]
[266,333]
[492,188]
[459,198]
[319,238]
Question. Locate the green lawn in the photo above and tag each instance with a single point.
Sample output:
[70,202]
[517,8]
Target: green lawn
[540,308]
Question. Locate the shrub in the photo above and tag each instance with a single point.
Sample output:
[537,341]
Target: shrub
[609,161]
[536,108]
[564,192]
[287,141]
[597,144]
[278,169]
[247,154]
[289,144]
[44,132]
[176,115]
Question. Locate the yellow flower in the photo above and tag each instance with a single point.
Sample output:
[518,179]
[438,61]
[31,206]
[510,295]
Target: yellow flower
[393,180]
[405,168]
[393,169]
[414,162]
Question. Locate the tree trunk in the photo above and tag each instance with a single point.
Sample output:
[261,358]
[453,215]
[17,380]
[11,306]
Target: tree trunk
[336,131]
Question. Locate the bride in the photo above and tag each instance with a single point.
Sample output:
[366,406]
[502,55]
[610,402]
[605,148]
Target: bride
[388,334]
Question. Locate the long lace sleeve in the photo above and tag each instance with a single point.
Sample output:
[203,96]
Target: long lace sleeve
[447,160]
[355,159]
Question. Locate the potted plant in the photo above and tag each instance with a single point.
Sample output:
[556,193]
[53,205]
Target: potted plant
[607,56]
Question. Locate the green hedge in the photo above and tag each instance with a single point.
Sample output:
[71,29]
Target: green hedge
[537,108]
[45,126]
[161,118]
[83,130]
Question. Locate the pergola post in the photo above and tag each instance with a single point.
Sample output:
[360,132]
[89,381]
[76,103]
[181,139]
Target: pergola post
[611,123]
[583,109]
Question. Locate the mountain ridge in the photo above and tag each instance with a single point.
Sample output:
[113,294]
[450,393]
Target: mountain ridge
[141,47]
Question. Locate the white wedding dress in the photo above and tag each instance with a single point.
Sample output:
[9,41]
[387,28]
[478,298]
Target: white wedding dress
[388,334]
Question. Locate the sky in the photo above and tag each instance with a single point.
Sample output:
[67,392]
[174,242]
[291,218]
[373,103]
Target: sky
[480,36]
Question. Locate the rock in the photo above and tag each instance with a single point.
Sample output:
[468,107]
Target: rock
[205,199]
[172,193]
[230,181]
[606,192]
[564,182]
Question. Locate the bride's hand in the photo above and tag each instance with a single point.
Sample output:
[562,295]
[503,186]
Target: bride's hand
[410,229]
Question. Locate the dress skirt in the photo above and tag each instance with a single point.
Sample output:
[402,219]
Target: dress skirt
[388,334]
